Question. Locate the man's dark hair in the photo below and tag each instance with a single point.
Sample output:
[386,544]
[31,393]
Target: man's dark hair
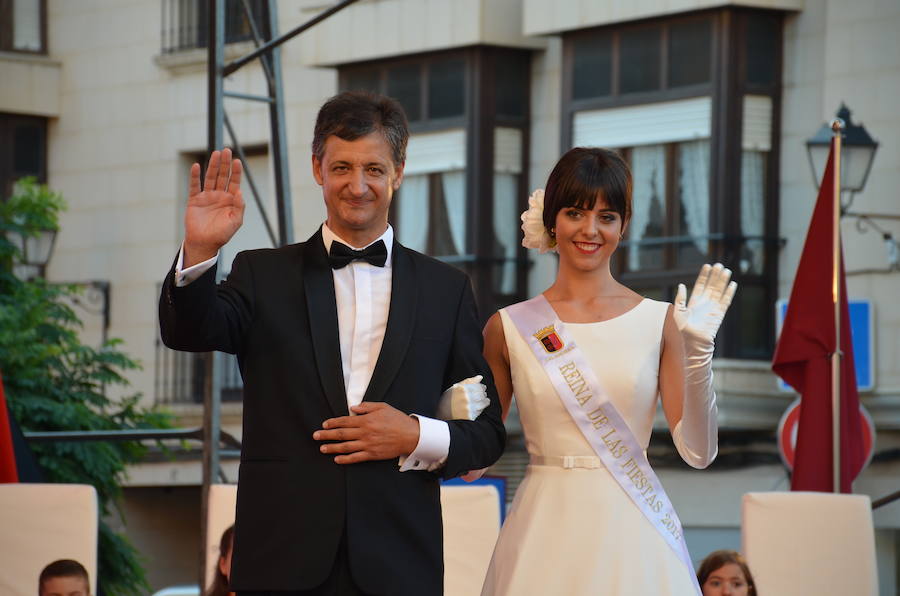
[354,114]
[63,568]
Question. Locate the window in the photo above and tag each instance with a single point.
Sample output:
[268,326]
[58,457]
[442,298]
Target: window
[637,60]
[690,45]
[186,27]
[23,150]
[592,66]
[22,26]
[640,57]
[432,90]
[670,224]
[691,102]
[430,214]
[463,186]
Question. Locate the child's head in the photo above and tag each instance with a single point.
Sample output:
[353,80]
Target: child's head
[64,578]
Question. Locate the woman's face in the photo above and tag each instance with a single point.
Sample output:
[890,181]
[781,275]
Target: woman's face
[727,580]
[587,238]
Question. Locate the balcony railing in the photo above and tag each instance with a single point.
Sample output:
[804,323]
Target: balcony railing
[185,23]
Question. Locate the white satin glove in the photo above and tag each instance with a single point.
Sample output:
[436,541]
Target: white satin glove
[464,400]
[696,435]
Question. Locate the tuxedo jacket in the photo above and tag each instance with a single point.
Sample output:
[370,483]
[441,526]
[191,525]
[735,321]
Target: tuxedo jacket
[276,311]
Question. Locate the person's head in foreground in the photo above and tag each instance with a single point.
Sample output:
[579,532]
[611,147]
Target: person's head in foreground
[725,573]
[220,585]
[64,578]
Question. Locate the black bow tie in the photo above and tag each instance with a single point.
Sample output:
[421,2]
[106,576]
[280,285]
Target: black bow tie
[342,255]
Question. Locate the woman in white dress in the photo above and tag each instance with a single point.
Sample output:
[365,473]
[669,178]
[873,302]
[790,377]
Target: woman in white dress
[574,527]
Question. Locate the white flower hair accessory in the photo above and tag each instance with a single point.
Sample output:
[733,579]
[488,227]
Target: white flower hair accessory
[536,235]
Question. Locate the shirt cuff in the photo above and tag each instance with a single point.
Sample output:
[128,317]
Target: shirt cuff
[431,451]
[185,276]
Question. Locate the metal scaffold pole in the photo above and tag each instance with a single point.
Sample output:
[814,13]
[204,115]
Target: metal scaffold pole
[212,386]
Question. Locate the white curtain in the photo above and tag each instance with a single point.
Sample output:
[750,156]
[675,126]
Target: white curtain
[27,25]
[693,178]
[753,180]
[412,212]
[506,230]
[648,167]
[454,185]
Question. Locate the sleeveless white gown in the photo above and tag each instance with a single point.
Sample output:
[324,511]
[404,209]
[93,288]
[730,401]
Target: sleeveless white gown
[574,531]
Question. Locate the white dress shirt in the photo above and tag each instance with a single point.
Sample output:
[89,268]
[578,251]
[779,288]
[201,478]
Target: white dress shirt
[363,296]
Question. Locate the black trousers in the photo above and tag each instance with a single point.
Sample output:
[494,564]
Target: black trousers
[338,583]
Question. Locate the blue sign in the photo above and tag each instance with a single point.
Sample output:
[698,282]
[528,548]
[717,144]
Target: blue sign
[862,326]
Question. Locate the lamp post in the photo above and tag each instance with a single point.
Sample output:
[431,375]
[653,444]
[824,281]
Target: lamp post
[856,158]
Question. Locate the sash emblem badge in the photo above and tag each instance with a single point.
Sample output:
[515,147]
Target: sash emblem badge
[549,339]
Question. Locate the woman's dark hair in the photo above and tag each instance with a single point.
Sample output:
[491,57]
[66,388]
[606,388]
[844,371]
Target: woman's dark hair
[220,585]
[354,114]
[718,559]
[580,176]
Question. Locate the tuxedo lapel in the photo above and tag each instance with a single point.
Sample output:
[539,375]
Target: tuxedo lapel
[401,317]
[318,285]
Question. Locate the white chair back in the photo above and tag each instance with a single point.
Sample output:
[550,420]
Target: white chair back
[810,543]
[471,527]
[222,503]
[42,523]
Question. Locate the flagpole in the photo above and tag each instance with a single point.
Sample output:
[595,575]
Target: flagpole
[836,126]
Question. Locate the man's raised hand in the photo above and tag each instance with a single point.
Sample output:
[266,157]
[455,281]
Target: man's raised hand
[215,212]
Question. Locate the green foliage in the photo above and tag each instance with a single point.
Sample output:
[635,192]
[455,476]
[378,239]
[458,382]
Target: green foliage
[54,382]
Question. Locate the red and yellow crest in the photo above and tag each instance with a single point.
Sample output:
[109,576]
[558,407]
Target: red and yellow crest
[549,339]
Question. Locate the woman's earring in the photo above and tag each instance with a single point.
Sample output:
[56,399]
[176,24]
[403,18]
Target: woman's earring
[552,232]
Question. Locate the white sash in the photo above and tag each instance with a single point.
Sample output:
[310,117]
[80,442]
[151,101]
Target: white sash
[597,418]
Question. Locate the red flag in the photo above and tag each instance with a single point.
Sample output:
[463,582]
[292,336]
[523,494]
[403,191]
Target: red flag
[8,471]
[803,357]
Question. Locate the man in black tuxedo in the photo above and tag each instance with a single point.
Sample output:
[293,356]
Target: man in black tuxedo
[345,344]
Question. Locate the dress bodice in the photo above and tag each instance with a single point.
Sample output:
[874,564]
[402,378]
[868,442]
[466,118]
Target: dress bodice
[624,353]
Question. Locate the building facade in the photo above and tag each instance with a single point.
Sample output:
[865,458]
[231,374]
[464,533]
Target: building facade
[710,102]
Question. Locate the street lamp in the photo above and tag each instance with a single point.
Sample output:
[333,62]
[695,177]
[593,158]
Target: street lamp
[35,251]
[857,154]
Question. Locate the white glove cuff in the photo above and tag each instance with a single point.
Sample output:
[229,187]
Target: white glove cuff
[696,435]
[464,400]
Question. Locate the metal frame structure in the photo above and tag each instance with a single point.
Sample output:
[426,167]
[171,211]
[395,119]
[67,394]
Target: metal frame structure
[269,55]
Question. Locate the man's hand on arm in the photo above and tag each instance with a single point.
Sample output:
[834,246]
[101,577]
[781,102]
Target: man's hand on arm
[378,431]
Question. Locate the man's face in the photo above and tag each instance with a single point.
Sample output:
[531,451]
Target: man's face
[70,585]
[358,179]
